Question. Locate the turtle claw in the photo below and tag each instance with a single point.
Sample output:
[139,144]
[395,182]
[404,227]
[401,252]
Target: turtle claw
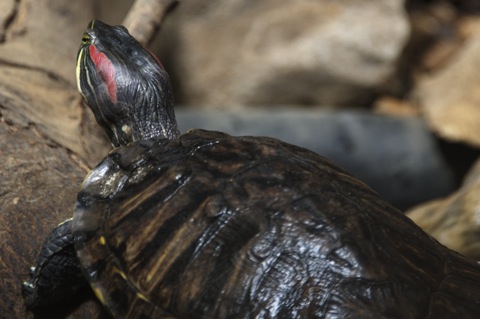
[29,290]
[29,293]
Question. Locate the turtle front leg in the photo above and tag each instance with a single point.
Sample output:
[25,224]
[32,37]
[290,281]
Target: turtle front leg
[57,274]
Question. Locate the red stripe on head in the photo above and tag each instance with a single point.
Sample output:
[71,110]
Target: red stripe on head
[106,71]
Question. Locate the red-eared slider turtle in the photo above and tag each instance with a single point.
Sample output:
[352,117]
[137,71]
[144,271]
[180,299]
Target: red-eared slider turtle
[207,225]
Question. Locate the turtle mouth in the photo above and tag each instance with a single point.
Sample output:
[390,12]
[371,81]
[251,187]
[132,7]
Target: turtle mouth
[81,67]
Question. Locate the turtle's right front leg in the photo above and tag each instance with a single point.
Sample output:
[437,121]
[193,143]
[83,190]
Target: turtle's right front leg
[57,274]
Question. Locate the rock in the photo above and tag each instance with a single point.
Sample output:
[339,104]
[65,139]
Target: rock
[397,156]
[450,97]
[435,37]
[232,53]
[455,220]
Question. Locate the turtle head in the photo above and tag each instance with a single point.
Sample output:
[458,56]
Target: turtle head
[125,86]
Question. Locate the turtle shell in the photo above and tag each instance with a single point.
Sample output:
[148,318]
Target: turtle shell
[214,226]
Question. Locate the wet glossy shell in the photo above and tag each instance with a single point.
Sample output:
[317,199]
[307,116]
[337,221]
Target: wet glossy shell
[213,226]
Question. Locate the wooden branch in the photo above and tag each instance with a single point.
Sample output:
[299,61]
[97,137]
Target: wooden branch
[145,17]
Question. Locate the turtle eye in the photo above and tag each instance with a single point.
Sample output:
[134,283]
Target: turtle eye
[86,39]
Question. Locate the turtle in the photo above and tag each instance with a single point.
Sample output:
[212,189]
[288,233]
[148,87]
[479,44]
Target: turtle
[208,225]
